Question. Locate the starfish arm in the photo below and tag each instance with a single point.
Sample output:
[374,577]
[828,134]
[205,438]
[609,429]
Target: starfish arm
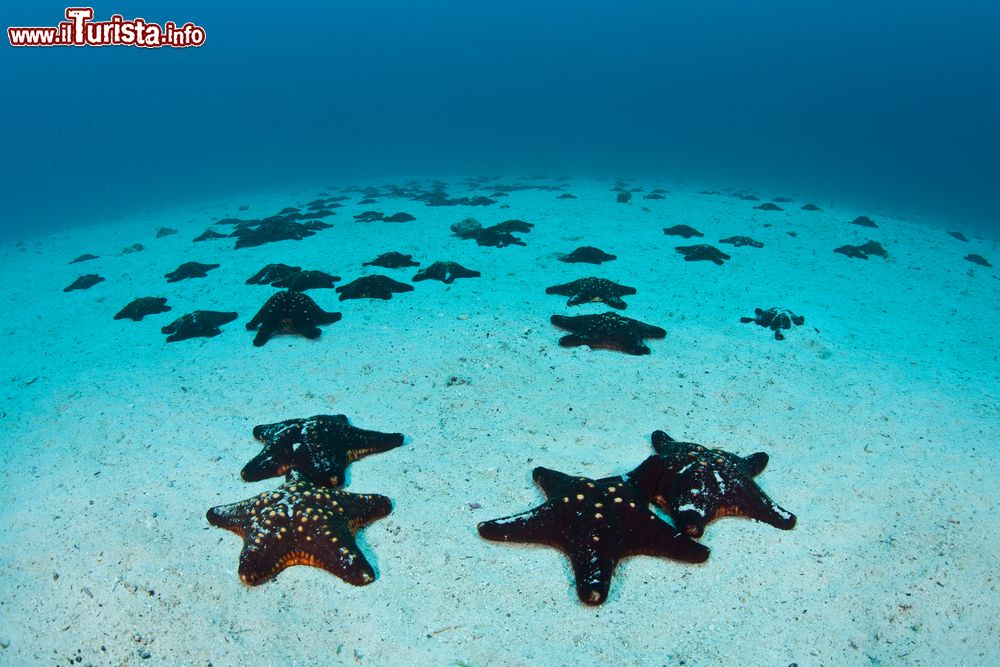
[375,442]
[757,505]
[660,439]
[554,483]
[659,538]
[573,340]
[283,432]
[255,320]
[592,569]
[323,466]
[628,345]
[531,527]
[262,558]
[616,302]
[651,331]
[273,460]
[756,462]
[348,563]
[309,331]
[647,476]
[362,509]
[690,505]
[232,517]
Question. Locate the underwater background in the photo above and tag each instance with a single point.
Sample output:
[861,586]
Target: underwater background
[871,103]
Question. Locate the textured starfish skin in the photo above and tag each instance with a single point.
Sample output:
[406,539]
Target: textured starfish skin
[85,281]
[446,272]
[321,447]
[289,311]
[372,287]
[392,260]
[775,319]
[595,523]
[197,324]
[697,485]
[702,253]
[587,254]
[301,281]
[608,331]
[300,523]
[682,230]
[139,308]
[740,241]
[593,290]
[272,273]
[189,270]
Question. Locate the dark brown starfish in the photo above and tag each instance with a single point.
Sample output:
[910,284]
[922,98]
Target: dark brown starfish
[596,522]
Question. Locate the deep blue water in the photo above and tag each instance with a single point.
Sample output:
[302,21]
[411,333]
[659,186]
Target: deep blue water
[891,105]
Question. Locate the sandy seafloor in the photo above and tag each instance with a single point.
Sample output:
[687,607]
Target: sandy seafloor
[881,416]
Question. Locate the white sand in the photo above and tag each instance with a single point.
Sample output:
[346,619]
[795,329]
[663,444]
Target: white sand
[880,415]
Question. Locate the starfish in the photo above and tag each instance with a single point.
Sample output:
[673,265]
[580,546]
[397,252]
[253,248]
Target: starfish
[775,319]
[316,225]
[446,272]
[369,216]
[300,281]
[977,259]
[740,241]
[702,252]
[189,270]
[591,290]
[139,308]
[682,230]
[270,230]
[300,523]
[85,281]
[272,273]
[392,260]
[596,522]
[697,485]
[863,251]
[499,235]
[208,235]
[514,225]
[498,238]
[372,287]
[289,311]
[863,221]
[197,324]
[588,254]
[608,331]
[321,447]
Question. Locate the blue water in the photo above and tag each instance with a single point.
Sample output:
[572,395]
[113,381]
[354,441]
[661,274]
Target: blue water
[891,105]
